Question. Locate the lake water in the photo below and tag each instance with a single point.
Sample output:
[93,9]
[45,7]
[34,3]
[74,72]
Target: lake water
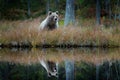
[60,64]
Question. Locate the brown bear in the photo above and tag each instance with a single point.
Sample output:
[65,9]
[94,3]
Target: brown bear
[51,21]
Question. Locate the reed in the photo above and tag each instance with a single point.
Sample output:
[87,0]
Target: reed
[27,32]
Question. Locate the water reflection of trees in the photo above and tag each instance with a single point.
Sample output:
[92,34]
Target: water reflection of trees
[9,71]
[85,71]
[85,64]
[109,70]
[69,69]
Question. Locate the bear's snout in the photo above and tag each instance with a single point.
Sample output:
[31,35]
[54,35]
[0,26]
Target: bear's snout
[55,19]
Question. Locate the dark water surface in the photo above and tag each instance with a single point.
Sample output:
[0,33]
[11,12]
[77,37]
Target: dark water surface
[60,64]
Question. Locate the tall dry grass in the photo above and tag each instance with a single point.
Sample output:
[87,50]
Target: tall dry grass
[27,31]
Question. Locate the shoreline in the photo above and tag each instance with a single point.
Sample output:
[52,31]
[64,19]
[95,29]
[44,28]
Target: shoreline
[9,45]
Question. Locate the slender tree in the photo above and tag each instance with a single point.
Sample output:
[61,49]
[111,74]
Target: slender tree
[117,10]
[98,12]
[108,8]
[47,6]
[56,4]
[29,13]
[97,71]
[69,14]
[69,68]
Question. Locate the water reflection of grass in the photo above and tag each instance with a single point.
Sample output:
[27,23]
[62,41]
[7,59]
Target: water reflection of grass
[57,55]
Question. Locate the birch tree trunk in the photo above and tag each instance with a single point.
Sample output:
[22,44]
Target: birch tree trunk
[98,12]
[29,13]
[69,14]
[47,6]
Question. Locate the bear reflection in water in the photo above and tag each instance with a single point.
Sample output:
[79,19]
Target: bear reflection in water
[50,67]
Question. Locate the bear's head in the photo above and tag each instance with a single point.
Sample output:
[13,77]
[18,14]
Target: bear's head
[53,16]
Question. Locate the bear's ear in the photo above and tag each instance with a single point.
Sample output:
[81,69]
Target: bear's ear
[50,12]
[57,12]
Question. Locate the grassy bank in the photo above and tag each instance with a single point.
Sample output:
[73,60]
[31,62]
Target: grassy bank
[26,33]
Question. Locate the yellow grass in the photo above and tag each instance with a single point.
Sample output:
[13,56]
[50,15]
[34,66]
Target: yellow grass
[27,31]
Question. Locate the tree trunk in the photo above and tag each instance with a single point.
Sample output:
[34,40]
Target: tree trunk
[98,12]
[97,71]
[108,8]
[110,11]
[47,6]
[69,14]
[69,68]
[29,13]
[57,5]
[116,11]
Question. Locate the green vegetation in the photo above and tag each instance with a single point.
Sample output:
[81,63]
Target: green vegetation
[83,70]
[19,9]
